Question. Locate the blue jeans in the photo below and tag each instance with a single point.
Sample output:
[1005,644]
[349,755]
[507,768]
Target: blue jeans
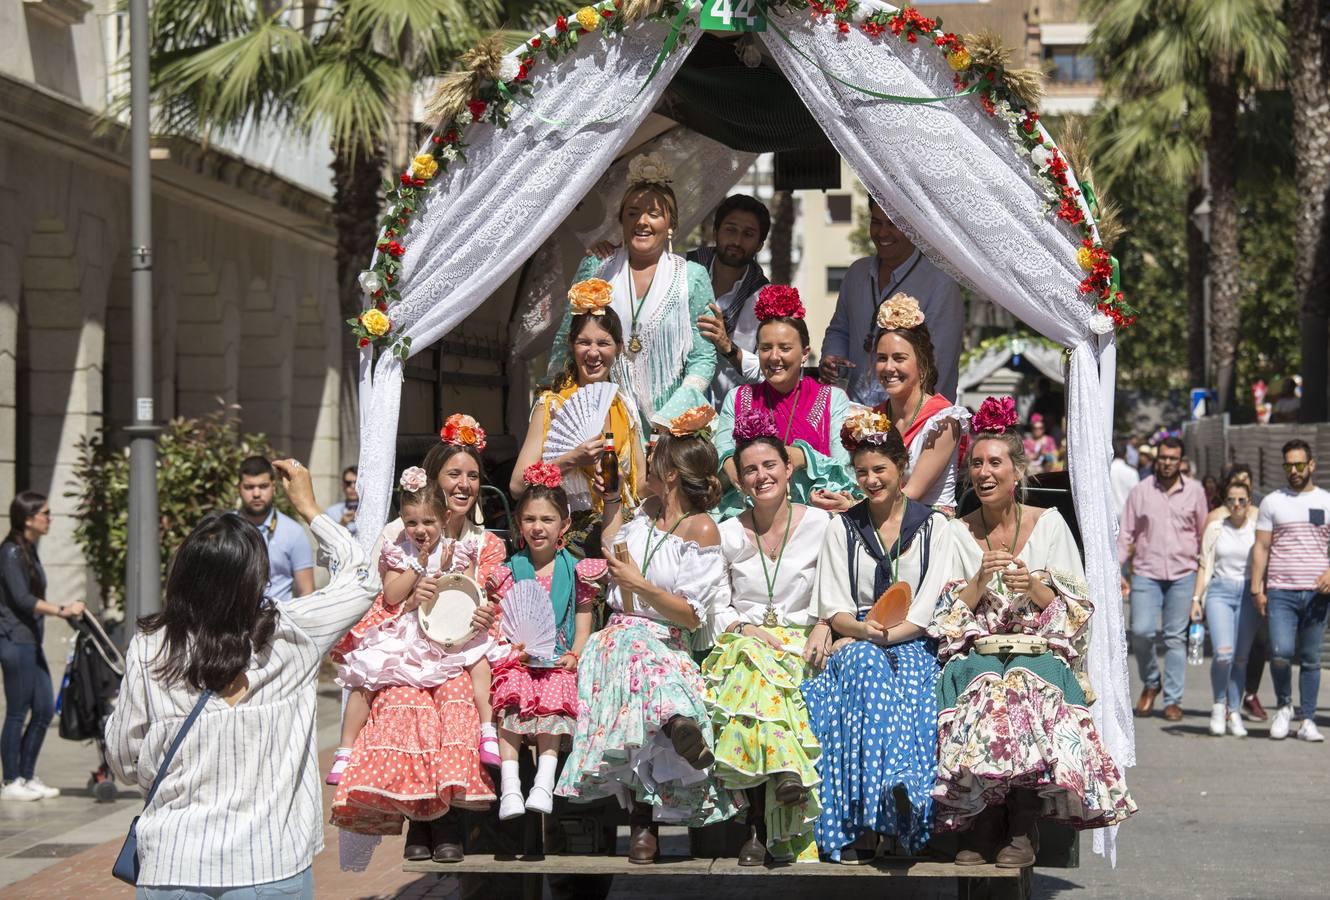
[1297,623]
[30,701]
[299,885]
[1155,602]
[1233,620]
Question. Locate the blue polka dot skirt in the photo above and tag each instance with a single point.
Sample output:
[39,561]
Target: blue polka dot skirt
[874,710]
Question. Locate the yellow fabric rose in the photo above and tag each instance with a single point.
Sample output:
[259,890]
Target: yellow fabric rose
[1085,258]
[375,322]
[959,60]
[424,166]
[588,18]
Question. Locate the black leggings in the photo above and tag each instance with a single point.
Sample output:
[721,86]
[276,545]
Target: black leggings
[1260,652]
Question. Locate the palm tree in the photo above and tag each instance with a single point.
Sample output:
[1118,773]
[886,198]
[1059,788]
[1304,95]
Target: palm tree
[1179,70]
[344,69]
[1309,82]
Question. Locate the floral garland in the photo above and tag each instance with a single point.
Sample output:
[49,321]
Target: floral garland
[492,104]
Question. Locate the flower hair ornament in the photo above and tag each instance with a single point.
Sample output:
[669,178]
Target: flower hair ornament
[995,416]
[693,422]
[648,168]
[413,479]
[867,427]
[591,296]
[544,474]
[900,311]
[753,424]
[778,301]
[462,430]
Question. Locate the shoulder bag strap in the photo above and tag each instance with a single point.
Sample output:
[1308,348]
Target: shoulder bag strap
[175,745]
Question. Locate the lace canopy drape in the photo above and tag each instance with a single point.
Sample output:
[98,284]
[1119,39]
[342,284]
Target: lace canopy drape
[948,174]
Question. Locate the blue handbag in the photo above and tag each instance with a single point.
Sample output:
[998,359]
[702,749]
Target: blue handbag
[126,866]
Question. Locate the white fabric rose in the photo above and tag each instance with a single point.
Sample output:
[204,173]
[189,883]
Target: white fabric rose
[1100,323]
[414,479]
[464,118]
[371,282]
[649,168]
[508,69]
[1041,157]
[449,153]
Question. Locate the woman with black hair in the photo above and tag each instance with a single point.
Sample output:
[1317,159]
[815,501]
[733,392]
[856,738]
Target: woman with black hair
[240,804]
[29,699]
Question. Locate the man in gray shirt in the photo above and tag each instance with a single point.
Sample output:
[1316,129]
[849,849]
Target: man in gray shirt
[899,266]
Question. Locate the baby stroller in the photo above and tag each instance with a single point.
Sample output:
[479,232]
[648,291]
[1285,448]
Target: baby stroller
[87,695]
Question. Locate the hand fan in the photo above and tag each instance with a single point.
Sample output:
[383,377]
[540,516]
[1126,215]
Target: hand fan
[581,418]
[527,618]
[892,607]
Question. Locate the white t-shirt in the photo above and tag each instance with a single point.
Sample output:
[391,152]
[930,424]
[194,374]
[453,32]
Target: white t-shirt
[1122,477]
[1299,526]
[1226,550]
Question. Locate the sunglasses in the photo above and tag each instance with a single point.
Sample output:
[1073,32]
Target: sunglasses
[1296,467]
[1236,501]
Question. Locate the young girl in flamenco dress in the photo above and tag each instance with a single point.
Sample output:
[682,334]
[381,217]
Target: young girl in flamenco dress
[539,702]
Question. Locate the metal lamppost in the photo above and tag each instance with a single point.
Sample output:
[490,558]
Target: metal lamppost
[143,569]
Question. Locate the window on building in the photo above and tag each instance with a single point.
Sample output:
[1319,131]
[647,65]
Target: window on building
[1069,65]
[840,209]
[835,276]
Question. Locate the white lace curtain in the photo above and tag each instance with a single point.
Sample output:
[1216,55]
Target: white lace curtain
[948,174]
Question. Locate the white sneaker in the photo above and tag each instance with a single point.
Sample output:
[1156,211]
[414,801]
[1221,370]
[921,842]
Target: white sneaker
[1218,712]
[1235,726]
[511,806]
[47,792]
[1308,732]
[18,790]
[1279,724]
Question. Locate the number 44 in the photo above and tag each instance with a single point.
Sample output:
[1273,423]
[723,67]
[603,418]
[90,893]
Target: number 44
[727,11]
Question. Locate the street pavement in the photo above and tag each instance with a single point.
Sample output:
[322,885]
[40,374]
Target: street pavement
[1219,818]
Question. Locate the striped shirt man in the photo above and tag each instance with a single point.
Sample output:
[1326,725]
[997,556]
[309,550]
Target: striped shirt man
[1299,526]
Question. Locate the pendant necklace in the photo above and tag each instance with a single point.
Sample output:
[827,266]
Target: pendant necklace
[769,620]
[1015,536]
[635,307]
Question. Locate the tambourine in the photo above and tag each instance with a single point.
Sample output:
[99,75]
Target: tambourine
[446,620]
[1010,644]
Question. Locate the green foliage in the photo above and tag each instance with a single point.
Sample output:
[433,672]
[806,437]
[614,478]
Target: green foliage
[198,469]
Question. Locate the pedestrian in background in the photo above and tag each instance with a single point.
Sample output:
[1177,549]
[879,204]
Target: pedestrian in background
[1160,534]
[1122,475]
[29,698]
[343,512]
[1222,599]
[290,562]
[240,805]
[1290,583]
[1259,652]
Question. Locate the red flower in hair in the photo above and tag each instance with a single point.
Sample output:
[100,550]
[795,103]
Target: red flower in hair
[778,301]
[543,473]
[995,416]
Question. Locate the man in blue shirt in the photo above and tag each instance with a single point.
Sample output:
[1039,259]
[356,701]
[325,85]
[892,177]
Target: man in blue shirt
[290,559]
[344,512]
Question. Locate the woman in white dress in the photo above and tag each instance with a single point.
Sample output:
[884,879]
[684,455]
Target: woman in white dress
[930,424]
[658,295]
[769,640]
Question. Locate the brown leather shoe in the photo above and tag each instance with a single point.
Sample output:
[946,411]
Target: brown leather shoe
[418,842]
[1022,830]
[1172,713]
[643,844]
[1146,705]
[688,742]
[447,837]
[978,845]
[788,790]
[753,852]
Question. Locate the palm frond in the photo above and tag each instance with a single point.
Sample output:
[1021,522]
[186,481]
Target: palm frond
[350,95]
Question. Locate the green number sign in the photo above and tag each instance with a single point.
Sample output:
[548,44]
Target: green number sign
[733,15]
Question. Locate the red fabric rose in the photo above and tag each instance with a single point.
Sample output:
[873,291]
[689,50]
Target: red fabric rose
[778,301]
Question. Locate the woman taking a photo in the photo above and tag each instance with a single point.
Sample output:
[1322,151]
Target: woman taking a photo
[658,296]
[769,639]
[252,666]
[29,700]
[1222,598]
[873,709]
[808,415]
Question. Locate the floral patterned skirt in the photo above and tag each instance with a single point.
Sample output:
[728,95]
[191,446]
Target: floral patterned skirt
[534,701]
[416,758]
[635,676]
[1022,722]
[761,725]
[873,711]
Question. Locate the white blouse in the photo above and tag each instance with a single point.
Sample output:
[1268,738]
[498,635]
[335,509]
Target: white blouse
[681,567]
[793,587]
[831,588]
[1225,550]
[943,491]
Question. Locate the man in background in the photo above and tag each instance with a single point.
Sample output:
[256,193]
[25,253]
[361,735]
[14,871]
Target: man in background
[290,559]
[1122,476]
[344,511]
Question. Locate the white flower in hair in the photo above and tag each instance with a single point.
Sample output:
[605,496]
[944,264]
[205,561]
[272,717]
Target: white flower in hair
[508,69]
[1100,323]
[371,282]
[649,168]
[414,479]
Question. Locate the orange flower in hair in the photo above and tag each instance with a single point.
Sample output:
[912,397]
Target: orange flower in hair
[590,296]
[463,431]
[692,421]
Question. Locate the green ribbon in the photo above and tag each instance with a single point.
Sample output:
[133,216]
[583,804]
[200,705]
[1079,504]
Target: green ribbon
[1091,201]
[671,41]
[1114,280]
[894,98]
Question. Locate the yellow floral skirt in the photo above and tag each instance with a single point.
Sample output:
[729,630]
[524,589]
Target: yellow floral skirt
[761,727]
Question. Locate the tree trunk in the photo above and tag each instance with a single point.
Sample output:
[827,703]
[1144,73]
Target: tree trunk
[357,188]
[1310,86]
[782,237]
[1222,264]
[1196,263]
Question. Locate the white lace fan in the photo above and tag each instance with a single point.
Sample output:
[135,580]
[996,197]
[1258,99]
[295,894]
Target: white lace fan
[581,418]
[528,619]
